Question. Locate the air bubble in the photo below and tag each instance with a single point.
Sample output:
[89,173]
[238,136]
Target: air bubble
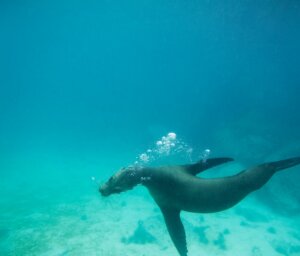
[205,154]
[144,157]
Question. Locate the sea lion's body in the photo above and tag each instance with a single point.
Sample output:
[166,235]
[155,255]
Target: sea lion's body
[177,188]
[186,192]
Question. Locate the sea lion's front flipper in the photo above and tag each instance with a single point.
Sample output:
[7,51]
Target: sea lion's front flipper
[176,229]
[202,165]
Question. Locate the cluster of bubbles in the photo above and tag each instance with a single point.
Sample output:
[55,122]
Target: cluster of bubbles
[168,145]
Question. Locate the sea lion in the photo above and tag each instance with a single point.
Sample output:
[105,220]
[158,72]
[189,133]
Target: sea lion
[177,188]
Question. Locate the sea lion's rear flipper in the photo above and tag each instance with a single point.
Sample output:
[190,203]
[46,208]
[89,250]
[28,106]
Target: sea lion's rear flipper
[284,164]
[176,229]
[202,165]
[254,178]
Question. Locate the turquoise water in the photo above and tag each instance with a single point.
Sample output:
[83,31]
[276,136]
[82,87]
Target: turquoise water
[86,87]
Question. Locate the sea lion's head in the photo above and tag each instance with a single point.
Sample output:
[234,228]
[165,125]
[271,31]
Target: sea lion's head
[121,181]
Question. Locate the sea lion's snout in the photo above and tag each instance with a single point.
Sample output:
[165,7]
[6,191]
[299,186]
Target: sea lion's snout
[103,190]
[123,180]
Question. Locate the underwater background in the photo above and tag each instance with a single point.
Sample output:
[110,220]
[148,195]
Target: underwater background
[86,87]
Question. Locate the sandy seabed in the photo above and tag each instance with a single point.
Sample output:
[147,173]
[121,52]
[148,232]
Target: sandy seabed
[131,224]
